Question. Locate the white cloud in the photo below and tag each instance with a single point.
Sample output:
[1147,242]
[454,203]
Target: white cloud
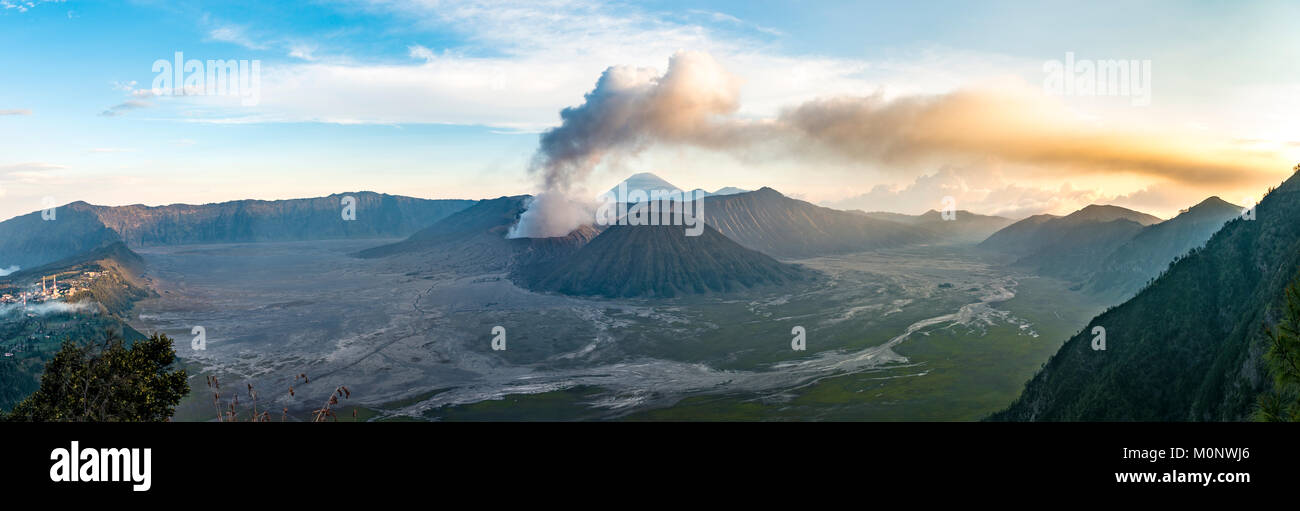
[235,34]
[30,173]
[724,18]
[420,52]
[518,63]
[521,62]
[303,51]
[24,5]
[18,111]
[31,166]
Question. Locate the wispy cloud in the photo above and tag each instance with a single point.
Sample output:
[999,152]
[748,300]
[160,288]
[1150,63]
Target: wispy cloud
[32,172]
[30,166]
[24,5]
[19,111]
[416,51]
[722,17]
[235,34]
[897,115]
[42,309]
[303,51]
[124,107]
[515,64]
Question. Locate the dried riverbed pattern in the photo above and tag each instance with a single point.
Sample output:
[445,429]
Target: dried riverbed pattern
[400,328]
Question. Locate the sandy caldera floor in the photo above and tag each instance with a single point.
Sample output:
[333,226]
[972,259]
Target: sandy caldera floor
[406,331]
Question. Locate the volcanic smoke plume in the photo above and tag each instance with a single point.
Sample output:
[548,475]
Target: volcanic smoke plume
[695,102]
[629,110]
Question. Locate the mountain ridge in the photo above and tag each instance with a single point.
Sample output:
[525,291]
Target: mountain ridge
[963,227]
[1108,251]
[1146,254]
[769,222]
[1189,345]
[29,240]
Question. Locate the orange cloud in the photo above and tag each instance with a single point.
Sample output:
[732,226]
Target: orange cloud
[1033,132]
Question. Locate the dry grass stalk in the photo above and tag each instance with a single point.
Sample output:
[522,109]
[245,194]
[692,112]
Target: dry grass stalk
[231,412]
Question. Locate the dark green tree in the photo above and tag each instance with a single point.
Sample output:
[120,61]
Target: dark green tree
[107,381]
[1282,403]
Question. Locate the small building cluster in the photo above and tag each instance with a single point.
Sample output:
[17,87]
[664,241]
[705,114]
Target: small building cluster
[50,288]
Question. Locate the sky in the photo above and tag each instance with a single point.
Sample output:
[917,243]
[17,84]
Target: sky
[880,106]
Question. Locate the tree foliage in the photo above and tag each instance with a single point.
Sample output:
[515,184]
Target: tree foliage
[1282,403]
[1189,346]
[107,381]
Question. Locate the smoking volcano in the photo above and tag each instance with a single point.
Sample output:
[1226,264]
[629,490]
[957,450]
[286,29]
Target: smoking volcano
[629,109]
[659,261]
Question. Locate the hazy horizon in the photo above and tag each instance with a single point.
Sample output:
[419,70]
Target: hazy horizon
[615,184]
[461,101]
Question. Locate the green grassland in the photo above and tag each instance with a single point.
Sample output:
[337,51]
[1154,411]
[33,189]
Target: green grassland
[954,372]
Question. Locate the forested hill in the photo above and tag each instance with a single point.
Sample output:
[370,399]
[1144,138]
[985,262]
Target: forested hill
[32,334]
[1129,267]
[1107,251]
[1190,345]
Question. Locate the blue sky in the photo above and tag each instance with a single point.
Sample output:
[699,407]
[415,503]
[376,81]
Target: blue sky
[446,99]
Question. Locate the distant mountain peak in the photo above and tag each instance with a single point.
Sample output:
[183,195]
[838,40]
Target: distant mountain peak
[644,175]
[649,181]
[645,181]
[767,221]
[1108,213]
[1194,341]
[1096,208]
[1214,201]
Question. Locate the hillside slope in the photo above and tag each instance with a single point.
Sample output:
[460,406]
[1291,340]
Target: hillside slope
[964,227]
[377,215]
[488,218]
[78,227]
[474,240]
[1132,265]
[1189,346]
[776,225]
[1040,232]
[118,286]
[659,261]
[29,240]
[1075,251]
[1020,238]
